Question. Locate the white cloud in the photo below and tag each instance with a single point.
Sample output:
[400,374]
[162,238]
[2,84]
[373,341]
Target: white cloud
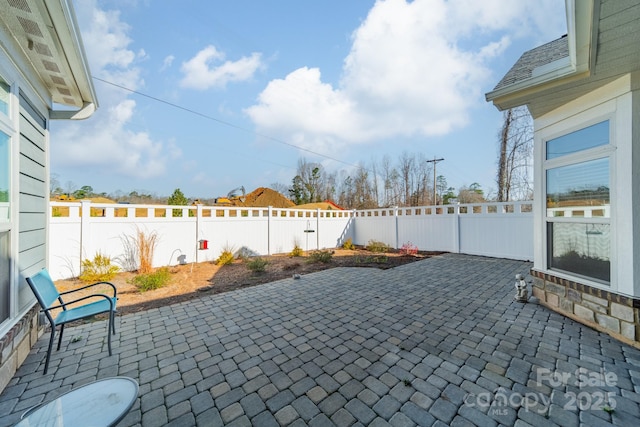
[415,69]
[167,62]
[105,145]
[207,69]
[105,142]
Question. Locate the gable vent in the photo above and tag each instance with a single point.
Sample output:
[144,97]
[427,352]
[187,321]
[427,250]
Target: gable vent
[20,4]
[64,91]
[30,27]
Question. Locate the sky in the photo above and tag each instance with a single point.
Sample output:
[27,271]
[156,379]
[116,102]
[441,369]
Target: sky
[207,96]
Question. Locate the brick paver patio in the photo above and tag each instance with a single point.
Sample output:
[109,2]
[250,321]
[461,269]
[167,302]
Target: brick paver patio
[437,342]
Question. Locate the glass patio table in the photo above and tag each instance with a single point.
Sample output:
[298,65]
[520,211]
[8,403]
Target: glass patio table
[100,403]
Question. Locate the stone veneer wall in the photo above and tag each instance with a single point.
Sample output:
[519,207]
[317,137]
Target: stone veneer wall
[16,345]
[612,313]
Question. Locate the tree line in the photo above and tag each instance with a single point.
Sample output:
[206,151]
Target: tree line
[405,181]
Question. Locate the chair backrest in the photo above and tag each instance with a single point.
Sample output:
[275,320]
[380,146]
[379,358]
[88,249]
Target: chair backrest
[44,288]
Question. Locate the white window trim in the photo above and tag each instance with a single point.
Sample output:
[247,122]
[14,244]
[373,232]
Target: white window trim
[554,131]
[9,126]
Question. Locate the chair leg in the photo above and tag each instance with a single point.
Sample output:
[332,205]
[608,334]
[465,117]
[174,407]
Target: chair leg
[51,338]
[60,337]
[109,328]
[113,324]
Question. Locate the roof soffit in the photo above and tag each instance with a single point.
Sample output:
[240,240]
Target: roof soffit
[46,34]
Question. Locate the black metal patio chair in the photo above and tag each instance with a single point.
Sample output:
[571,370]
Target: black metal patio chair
[50,299]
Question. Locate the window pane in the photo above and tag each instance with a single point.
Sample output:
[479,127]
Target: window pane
[4,97]
[583,139]
[4,177]
[579,190]
[580,248]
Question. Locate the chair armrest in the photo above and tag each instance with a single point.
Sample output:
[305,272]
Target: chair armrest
[93,284]
[64,305]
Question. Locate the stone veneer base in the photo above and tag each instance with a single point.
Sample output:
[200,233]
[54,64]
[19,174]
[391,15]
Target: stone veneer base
[615,314]
[16,344]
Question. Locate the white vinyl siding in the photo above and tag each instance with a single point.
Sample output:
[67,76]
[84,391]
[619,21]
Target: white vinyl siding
[32,199]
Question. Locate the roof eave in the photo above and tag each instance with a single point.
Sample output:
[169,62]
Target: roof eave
[508,96]
[580,27]
[66,27]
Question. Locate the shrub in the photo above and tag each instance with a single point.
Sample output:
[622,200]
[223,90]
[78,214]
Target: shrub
[320,256]
[348,244]
[376,246]
[225,258]
[157,279]
[98,270]
[257,265]
[409,249]
[296,251]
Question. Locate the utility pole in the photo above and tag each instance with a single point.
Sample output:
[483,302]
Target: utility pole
[435,162]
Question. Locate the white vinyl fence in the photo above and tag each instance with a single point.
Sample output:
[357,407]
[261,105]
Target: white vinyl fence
[500,230]
[80,230]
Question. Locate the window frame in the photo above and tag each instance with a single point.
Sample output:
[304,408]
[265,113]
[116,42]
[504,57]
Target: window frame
[606,151]
[9,126]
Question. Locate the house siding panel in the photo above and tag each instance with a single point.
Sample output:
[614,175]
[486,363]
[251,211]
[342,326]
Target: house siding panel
[32,199]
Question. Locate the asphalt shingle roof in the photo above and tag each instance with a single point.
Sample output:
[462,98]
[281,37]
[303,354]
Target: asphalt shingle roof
[534,58]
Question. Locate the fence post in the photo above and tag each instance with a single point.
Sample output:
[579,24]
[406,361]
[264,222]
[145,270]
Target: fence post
[395,213]
[269,231]
[197,239]
[318,229]
[456,241]
[85,233]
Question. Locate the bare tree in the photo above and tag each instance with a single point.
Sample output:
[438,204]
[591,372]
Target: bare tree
[515,154]
[406,168]
[54,184]
[421,193]
[279,187]
[308,186]
[70,188]
[390,179]
[471,194]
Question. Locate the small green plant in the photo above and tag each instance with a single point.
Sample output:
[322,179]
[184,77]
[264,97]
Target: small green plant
[76,338]
[321,256]
[608,409]
[98,270]
[406,382]
[226,257]
[257,265]
[296,251]
[348,244]
[157,279]
[377,247]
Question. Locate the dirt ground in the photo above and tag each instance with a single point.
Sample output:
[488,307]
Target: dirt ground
[195,280]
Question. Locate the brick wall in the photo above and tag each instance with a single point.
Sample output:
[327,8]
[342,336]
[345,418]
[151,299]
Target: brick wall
[16,344]
[612,313]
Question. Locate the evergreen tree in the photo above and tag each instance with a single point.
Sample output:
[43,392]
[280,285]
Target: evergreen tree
[177,199]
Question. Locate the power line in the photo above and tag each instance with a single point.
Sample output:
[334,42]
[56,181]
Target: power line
[205,116]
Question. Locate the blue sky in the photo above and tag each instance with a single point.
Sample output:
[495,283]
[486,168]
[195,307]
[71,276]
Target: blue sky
[220,94]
